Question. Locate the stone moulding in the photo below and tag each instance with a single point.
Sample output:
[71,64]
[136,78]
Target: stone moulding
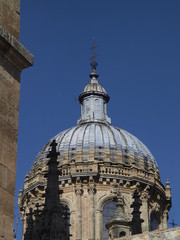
[14,51]
[114,172]
[105,172]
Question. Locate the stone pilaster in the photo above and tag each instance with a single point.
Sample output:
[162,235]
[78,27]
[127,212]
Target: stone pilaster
[91,191]
[145,210]
[165,219]
[79,192]
[98,224]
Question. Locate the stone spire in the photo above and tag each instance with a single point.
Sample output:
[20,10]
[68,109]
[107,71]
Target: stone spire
[53,215]
[168,190]
[136,219]
[51,223]
[94,99]
[52,190]
[120,224]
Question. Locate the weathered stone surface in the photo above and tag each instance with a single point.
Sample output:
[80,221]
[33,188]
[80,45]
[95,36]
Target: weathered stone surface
[9,103]
[7,202]
[169,234]
[10,16]
[13,58]
[6,224]
[13,87]
[14,51]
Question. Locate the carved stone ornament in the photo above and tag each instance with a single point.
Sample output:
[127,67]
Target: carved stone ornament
[154,207]
[79,191]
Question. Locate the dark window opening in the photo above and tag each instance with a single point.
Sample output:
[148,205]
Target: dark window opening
[153,222]
[122,234]
[108,211]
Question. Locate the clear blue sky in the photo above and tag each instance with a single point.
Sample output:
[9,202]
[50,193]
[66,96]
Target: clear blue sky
[139,66]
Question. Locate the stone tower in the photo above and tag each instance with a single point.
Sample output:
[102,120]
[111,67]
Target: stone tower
[13,58]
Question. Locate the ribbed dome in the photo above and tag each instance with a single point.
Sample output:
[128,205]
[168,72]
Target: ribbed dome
[101,139]
[94,86]
[94,138]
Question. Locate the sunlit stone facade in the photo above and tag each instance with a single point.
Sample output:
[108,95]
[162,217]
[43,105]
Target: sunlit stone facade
[14,57]
[96,162]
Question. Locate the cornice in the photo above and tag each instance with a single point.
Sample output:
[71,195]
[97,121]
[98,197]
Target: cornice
[14,51]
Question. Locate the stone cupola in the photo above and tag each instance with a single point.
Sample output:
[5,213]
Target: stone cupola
[94,100]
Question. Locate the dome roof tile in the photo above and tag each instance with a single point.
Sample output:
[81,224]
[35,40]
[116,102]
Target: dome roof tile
[97,136]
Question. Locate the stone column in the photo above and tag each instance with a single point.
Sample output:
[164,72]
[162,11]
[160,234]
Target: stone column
[91,191]
[164,220]
[98,224]
[145,211]
[78,227]
[72,224]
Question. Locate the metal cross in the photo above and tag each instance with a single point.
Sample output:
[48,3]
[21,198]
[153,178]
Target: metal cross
[93,48]
[173,223]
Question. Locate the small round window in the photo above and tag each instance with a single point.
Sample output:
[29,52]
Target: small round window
[122,234]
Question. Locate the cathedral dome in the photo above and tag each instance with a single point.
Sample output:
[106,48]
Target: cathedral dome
[95,138]
[94,161]
[97,141]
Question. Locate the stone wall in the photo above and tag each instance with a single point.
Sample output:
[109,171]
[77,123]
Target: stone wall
[168,234]
[9,102]
[13,58]
[10,16]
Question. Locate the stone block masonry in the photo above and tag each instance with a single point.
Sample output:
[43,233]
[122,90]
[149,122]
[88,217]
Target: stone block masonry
[13,58]
[10,16]
[168,234]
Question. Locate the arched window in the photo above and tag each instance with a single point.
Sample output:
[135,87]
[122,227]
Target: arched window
[108,211]
[122,234]
[82,108]
[153,222]
[87,106]
[97,104]
[105,108]
[97,108]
